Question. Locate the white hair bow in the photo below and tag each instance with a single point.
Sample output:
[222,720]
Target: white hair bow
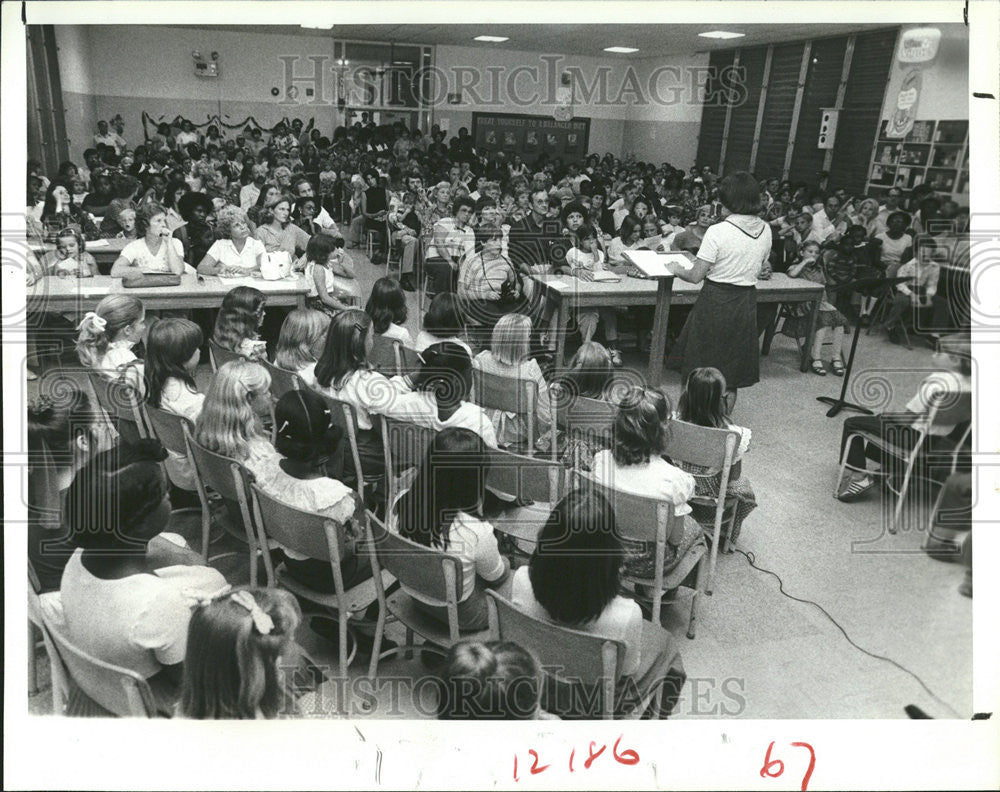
[99,322]
[262,621]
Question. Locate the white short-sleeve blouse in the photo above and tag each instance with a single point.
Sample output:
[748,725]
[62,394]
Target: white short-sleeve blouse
[737,249]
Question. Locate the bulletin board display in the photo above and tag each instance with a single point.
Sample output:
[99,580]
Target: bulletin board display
[934,153]
[530,135]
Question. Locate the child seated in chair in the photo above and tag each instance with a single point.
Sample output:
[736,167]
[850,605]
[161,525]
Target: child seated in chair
[441,510]
[830,323]
[236,643]
[635,465]
[305,438]
[703,403]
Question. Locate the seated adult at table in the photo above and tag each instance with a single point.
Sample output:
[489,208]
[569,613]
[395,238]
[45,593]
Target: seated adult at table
[489,286]
[59,212]
[101,194]
[536,240]
[278,232]
[453,238]
[154,251]
[690,238]
[302,189]
[235,253]
[629,237]
[119,222]
[196,235]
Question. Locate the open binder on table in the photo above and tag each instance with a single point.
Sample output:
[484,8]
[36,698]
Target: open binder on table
[649,264]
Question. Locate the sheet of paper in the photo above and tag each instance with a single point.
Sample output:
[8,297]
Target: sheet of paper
[97,243]
[654,265]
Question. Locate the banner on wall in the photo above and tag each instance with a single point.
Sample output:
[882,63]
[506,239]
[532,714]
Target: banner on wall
[530,135]
[905,111]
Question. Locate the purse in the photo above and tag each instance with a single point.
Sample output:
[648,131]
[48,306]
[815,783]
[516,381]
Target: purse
[151,280]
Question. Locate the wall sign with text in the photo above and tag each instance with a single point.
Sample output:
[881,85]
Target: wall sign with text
[530,135]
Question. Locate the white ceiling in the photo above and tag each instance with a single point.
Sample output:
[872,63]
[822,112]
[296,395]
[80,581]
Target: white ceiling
[651,39]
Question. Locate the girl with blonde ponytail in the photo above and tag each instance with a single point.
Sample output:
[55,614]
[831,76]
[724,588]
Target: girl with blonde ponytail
[107,335]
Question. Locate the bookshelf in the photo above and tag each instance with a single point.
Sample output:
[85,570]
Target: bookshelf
[934,153]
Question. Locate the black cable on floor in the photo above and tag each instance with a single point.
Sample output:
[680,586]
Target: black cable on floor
[781,587]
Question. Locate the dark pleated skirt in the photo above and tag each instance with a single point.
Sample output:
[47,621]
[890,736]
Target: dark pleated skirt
[721,332]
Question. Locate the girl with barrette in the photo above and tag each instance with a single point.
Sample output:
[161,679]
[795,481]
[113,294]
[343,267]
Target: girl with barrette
[236,644]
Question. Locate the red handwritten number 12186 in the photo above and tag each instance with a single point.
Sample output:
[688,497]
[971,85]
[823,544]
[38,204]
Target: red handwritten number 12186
[775,767]
[626,757]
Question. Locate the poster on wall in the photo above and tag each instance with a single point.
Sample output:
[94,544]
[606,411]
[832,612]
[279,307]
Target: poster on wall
[903,116]
[530,135]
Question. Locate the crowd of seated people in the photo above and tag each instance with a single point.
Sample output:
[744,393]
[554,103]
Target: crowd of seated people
[476,225]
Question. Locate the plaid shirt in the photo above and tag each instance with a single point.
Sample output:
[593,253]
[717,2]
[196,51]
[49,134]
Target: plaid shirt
[483,279]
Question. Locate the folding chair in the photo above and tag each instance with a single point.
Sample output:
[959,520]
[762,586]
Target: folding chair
[230,479]
[119,691]
[435,574]
[532,486]
[714,450]
[510,395]
[383,356]
[169,429]
[642,519]
[282,381]
[946,409]
[573,658]
[119,400]
[408,361]
[580,415]
[317,537]
[345,416]
[218,356]
[405,445]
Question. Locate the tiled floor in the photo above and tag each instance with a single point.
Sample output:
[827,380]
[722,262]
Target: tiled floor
[759,654]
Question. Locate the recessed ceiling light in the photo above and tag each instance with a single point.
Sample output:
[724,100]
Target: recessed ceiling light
[317,26]
[721,34]
[492,39]
[623,50]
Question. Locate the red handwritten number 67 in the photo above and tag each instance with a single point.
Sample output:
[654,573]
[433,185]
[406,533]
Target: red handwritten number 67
[775,767]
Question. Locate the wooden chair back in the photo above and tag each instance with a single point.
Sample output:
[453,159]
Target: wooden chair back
[405,445]
[121,403]
[169,429]
[568,656]
[120,691]
[510,394]
[434,574]
[710,448]
[344,416]
[282,381]
[383,356]
[218,356]
[230,479]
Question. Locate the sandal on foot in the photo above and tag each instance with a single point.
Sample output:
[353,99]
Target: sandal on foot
[838,367]
[818,368]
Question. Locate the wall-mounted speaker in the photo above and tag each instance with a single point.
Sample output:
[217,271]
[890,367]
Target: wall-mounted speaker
[828,127]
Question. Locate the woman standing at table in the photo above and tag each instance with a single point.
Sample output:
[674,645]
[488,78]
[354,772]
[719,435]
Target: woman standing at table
[721,331]
[154,251]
